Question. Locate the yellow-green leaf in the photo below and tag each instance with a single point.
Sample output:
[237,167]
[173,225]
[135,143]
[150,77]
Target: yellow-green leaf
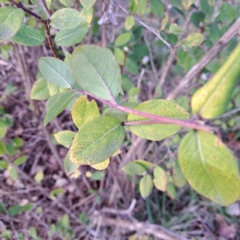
[87,3]
[119,55]
[160,178]
[83,111]
[102,165]
[209,167]
[164,21]
[65,137]
[129,23]
[70,167]
[212,99]
[97,140]
[146,186]
[40,90]
[187,3]
[157,131]
[123,39]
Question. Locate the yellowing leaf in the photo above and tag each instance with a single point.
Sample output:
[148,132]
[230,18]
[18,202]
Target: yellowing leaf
[212,99]
[129,23]
[209,167]
[161,108]
[160,178]
[102,165]
[40,90]
[146,186]
[84,111]
[65,137]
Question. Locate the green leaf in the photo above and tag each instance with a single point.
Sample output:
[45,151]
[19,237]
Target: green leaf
[66,18]
[157,132]
[187,4]
[206,8]
[129,23]
[171,191]
[119,55]
[102,165]
[66,3]
[133,6]
[193,40]
[123,39]
[49,3]
[146,186]
[212,99]
[209,167]
[14,210]
[157,8]
[69,166]
[72,36]
[100,74]
[39,176]
[56,72]
[40,90]
[133,168]
[175,29]
[98,175]
[2,147]
[88,14]
[28,36]
[53,89]
[115,113]
[65,138]
[97,140]
[141,7]
[3,164]
[227,13]
[20,160]
[83,111]
[56,104]
[178,179]
[87,3]
[13,173]
[160,179]
[10,22]
[164,21]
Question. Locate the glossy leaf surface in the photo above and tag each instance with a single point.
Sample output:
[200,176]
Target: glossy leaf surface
[100,74]
[97,140]
[161,108]
[209,167]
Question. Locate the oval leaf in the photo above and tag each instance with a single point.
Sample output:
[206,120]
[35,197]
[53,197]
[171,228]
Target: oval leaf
[213,98]
[123,39]
[160,178]
[56,72]
[87,3]
[209,167]
[69,166]
[133,168]
[65,137]
[129,23]
[146,186]
[83,111]
[97,140]
[66,18]
[40,90]
[28,36]
[157,131]
[10,22]
[96,71]
[72,36]
[56,104]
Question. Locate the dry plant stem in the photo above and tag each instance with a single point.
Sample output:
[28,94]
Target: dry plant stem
[155,119]
[150,29]
[152,229]
[50,43]
[197,68]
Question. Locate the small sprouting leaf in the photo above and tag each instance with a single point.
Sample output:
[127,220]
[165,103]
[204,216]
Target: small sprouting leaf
[87,3]
[164,21]
[10,22]
[212,99]
[187,3]
[40,90]
[193,40]
[66,18]
[171,191]
[209,167]
[119,55]
[56,104]
[123,39]
[102,165]
[227,13]
[20,160]
[72,36]
[157,132]
[146,186]
[101,78]
[65,138]
[13,173]
[39,176]
[83,111]
[97,140]
[129,23]
[56,72]
[28,36]
[69,166]
[160,178]
[141,7]
[175,29]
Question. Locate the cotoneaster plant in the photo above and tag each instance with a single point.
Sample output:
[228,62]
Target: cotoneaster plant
[92,73]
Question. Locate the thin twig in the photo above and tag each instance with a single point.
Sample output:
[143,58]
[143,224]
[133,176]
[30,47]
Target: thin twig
[197,68]
[150,29]
[227,114]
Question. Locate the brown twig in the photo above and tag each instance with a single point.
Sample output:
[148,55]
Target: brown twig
[197,68]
